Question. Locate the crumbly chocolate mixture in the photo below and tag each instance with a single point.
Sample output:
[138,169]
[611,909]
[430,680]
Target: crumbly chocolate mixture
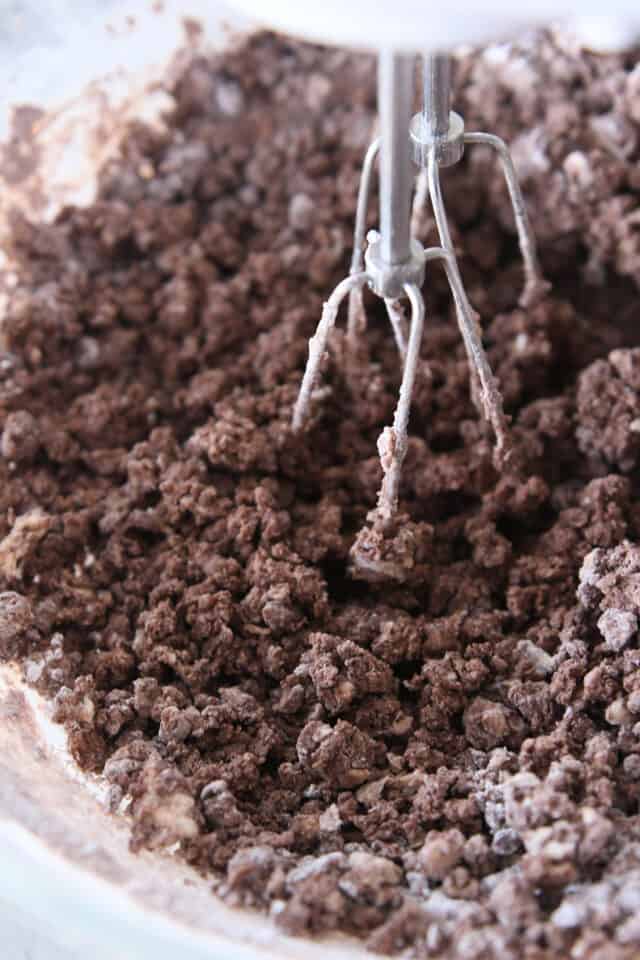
[450,765]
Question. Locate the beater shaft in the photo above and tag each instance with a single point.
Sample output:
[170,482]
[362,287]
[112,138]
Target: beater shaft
[395,98]
[436,87]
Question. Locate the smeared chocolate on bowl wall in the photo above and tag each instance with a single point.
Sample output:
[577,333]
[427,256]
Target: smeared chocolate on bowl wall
[449,765]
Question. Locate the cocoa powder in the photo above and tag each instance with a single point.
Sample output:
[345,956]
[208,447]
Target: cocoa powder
[448,766]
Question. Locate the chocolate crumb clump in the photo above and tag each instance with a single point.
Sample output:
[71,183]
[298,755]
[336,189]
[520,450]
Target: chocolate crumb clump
[443,757]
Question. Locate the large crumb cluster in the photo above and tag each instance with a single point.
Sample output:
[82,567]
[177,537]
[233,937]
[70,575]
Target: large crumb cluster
[449,767]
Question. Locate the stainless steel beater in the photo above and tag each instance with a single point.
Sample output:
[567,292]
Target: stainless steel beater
[392,262]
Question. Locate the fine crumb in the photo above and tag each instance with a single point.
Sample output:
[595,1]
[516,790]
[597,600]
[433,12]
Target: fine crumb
[16,616]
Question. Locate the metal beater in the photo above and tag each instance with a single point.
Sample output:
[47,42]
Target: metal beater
[392,262]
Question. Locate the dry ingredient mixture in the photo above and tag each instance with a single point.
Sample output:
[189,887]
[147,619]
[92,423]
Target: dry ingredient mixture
[449,766]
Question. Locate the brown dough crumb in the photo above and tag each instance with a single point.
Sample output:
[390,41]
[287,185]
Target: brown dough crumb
[443,759]
[26,532]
